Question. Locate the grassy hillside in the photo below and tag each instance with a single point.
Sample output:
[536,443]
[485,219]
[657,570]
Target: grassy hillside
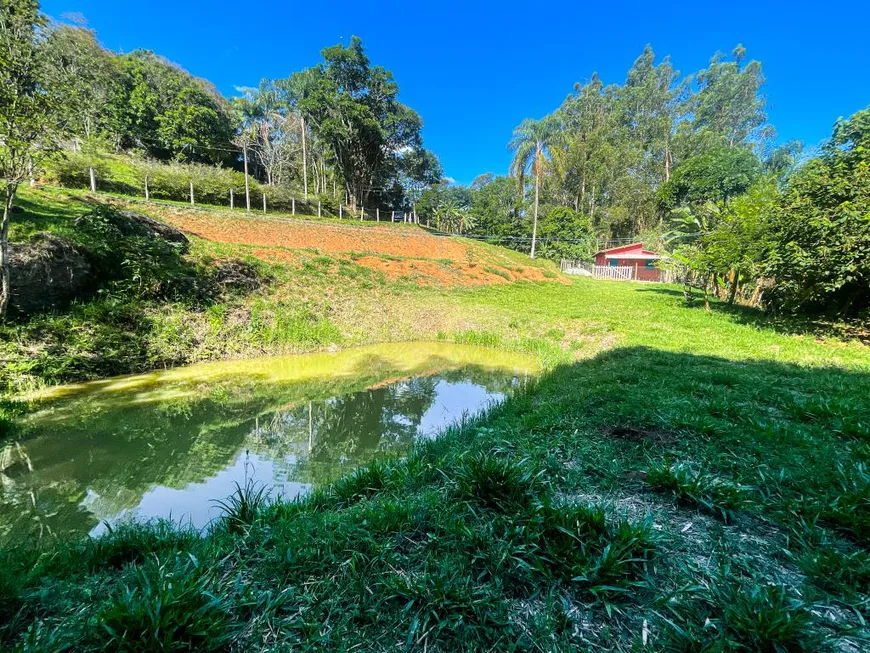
[679,480]
[318,284]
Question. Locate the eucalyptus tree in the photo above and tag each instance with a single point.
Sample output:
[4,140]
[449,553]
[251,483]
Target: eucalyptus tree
[728,103]
[586,149]
[418,170]
[651,103]
[530,143]
[28,121]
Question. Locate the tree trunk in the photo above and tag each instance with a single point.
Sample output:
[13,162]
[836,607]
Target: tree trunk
[304,159]
[756,294]
[706,294]
[5,288]
[247,185]
[535,221]
[734,282]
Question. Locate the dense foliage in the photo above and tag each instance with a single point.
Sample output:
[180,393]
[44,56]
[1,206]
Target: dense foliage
[338,128]
[820,255]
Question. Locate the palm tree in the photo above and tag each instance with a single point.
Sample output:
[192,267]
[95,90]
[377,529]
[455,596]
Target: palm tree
[530,144]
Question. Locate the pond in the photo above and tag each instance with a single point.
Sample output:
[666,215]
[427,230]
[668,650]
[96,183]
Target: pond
[167,444]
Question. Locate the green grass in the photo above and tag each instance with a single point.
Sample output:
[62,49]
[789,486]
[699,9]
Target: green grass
[692,480]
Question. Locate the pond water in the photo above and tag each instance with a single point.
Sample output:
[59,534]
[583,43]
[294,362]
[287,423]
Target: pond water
[169,443]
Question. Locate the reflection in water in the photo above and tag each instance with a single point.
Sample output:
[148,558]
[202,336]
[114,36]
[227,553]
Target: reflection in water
[168,444]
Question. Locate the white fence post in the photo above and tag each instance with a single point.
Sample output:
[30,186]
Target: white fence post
[377,215]
[340,213]
[264,202]
[362,214]
[318,208]
[293,206]
[147,192]
[93,180]
[191,192]
[231,199]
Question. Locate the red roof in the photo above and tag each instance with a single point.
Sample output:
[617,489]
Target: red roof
[635,249]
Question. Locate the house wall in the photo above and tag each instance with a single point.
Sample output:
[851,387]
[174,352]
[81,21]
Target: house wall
[648,274]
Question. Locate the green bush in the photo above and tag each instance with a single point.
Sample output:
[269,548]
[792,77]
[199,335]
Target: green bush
[168,606]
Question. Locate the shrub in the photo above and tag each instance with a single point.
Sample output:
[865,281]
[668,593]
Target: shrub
[168,606]
[244,506]
[728,615]
[496,483]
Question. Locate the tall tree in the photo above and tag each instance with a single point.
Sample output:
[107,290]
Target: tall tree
[650,106]
[715,176]
[27,120]
[729,103]
[358,116]
[272,128]
[418,170]
[530,143]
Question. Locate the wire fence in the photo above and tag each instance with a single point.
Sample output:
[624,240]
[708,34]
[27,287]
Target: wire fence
[266,200]
[270,200]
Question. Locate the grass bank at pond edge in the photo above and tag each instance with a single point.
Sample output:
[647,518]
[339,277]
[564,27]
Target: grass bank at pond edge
[688,500]
[151,311]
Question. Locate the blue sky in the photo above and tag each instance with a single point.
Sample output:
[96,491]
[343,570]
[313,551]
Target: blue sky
[475,71]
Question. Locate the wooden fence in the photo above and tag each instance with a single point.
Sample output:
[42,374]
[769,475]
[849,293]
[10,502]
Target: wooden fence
[622,273]
[613,272]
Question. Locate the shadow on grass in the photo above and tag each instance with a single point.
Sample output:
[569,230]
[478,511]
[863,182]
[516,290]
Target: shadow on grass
[437,549]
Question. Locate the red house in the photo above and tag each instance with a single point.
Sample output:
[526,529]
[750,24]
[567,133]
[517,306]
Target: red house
[631,262]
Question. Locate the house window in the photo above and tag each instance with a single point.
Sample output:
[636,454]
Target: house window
[650,264]
[613,262]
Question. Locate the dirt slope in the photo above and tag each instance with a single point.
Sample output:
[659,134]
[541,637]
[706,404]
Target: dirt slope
[397,251]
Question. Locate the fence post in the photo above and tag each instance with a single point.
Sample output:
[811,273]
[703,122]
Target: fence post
[93,180]
[362,214]
[293,206]
[340,214]
[147,192]
[393,216]
[231,199]
[377,214]
[318,208]
[191,192]
[264,202]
